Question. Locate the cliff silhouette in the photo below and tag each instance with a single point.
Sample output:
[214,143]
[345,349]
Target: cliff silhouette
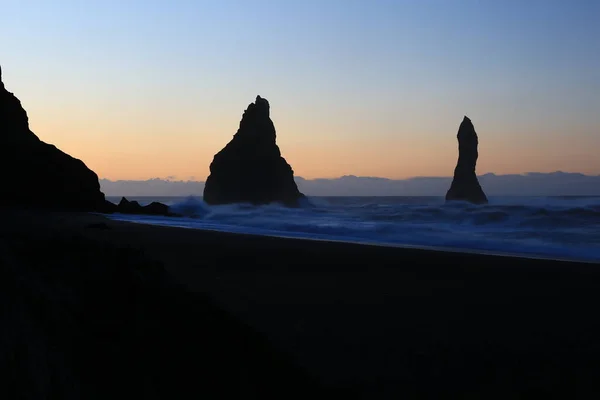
[44,177]
[250,169]
[465,185]
[38,174]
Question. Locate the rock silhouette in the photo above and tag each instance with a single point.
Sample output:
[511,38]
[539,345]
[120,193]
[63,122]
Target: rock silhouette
[133,207]
[37,174]
[465,185]
[250,169]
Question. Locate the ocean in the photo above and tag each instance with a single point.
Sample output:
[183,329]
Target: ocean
[553,227]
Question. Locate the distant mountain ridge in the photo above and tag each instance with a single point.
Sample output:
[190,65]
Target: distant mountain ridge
[528,184]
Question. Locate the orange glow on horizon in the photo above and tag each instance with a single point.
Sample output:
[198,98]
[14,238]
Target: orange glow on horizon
[133,158]
[151,141]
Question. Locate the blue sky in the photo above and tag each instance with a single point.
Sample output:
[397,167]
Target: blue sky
[368,87]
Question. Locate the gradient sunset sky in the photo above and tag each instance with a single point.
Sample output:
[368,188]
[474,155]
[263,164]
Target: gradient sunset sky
[143,89]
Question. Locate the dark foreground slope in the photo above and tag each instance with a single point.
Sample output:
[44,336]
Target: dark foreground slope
[84,317]
[400,323]
[383,323]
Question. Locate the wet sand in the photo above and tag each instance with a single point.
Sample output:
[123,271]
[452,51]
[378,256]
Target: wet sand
[386,322]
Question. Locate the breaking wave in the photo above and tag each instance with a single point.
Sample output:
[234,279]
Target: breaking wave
[559,227]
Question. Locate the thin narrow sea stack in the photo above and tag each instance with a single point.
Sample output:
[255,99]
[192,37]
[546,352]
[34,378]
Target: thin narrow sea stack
[37,174]
[465,185]
[250,169]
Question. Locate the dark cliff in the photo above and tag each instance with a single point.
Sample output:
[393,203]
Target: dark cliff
[37,174]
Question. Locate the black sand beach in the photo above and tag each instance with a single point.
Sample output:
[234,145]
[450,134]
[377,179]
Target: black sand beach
[372,321]
[87,316]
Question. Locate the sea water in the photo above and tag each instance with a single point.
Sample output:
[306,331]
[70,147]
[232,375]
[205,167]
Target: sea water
[555,227]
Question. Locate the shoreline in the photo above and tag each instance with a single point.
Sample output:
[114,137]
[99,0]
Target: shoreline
[358,242]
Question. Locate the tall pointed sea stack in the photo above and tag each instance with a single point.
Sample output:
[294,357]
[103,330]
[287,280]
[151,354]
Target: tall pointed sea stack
[250,169]
[37,174]
[465,186]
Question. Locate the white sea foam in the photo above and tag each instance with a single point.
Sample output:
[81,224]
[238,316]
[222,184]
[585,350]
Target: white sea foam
[567,227]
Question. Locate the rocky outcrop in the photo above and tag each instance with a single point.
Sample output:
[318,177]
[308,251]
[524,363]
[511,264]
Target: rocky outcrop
[250,169]
[37,174]
[465,186]
[133,207]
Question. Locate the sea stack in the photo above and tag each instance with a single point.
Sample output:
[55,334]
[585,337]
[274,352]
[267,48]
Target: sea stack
[37,174]
[465,186]
[250,169]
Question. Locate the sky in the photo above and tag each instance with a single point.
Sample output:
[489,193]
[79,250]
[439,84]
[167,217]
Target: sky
[143,89]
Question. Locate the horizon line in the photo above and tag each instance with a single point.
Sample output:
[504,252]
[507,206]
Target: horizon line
[175,179]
